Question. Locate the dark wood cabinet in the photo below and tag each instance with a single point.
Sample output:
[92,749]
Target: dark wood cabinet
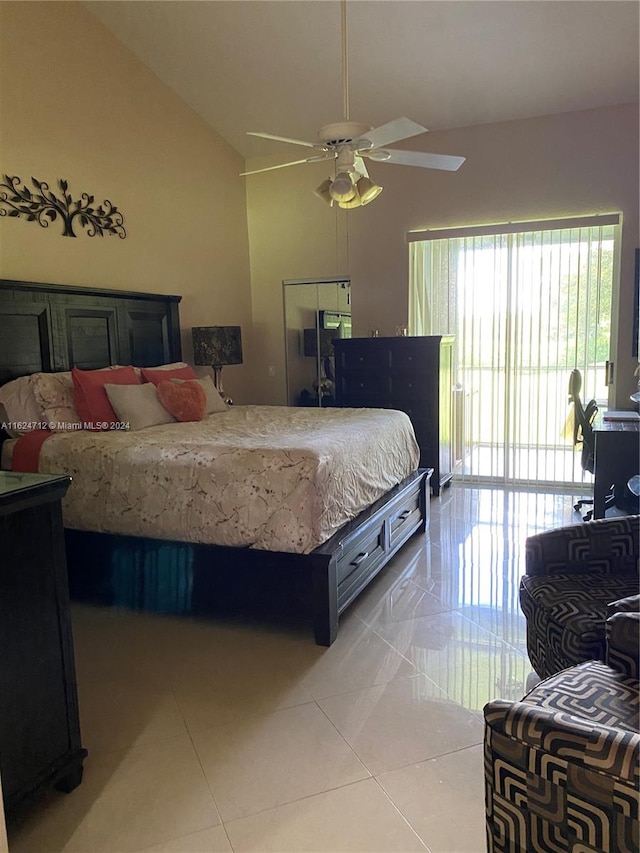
[412,374]
[39,727]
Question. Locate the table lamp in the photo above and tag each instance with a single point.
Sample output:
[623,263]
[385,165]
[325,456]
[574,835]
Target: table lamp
[217,346]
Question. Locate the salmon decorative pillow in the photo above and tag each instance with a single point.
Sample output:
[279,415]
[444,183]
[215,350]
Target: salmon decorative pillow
[90,398]
[186,401]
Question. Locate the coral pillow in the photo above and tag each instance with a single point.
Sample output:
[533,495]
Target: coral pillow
[90,397]
[215,403]
[186,401]
[157,376]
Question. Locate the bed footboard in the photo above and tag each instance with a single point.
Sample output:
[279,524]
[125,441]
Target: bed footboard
[178,577]
[355,556]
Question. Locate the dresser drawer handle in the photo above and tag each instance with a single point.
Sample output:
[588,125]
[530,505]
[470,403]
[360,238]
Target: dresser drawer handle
[404,515]
[362,556]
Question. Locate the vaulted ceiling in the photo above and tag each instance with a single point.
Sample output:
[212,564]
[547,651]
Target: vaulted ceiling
[276,65]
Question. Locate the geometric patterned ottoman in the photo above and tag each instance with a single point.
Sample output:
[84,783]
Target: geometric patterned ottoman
[562,766]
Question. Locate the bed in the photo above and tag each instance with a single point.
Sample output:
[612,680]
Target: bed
[134,556]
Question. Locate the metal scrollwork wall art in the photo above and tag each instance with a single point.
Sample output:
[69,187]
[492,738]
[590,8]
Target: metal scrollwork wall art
[44,206]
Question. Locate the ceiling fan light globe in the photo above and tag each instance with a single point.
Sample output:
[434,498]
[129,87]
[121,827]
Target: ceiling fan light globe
[356,201]
[367,190]
[323,191]
[342,188]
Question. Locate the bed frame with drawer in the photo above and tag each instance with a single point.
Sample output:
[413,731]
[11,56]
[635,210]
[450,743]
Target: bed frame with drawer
[48,327]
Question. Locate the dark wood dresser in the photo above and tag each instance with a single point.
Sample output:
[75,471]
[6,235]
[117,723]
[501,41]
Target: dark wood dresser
[39,727]
[413,374]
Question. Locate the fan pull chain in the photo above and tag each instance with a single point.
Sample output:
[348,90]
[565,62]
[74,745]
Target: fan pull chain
[346,227]
[337,243]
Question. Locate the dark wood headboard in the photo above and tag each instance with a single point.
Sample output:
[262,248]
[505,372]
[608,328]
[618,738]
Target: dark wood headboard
[49,327]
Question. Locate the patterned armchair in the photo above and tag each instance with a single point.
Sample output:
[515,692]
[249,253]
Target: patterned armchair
[562,766]
[573,574]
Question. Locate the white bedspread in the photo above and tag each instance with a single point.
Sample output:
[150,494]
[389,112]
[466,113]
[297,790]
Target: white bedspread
[268,477]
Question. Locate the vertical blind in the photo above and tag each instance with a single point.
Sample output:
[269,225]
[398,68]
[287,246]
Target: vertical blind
[527,303]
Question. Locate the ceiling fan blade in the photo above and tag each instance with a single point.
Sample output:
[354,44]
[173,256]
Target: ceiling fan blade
[447,162]
[360,166]
[293,163]
[393,131]
[283,139]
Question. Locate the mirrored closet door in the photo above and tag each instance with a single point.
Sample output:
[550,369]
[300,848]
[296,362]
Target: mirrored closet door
[316,311]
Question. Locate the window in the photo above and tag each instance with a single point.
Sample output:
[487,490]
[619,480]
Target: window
[527,303]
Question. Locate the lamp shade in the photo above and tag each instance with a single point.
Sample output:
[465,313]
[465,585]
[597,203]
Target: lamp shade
[217,345]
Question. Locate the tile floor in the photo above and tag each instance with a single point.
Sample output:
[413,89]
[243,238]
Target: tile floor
[219,736]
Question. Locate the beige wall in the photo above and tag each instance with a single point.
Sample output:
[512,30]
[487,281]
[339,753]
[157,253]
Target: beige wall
[81,107]
[75,103]
[568,164]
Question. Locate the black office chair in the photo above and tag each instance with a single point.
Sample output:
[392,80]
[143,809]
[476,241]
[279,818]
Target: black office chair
[583,418]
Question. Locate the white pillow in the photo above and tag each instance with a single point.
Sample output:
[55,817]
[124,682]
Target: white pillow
[175,365]
[215,403]
[138,405]
[21,406]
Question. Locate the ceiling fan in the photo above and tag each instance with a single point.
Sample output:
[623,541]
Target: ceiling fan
[349,142]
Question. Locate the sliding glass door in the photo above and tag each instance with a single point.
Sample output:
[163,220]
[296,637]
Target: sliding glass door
[527,304]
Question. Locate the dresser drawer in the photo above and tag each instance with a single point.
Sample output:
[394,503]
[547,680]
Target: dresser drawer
[425,428]
[412,386]
[364,356]
[418,410]
[362,553]
[364,383]
[409,355]
[404,520]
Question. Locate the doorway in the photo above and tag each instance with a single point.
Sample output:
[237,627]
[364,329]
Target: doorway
[527,304]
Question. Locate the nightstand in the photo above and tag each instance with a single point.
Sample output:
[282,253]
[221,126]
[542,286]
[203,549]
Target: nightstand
[40,743]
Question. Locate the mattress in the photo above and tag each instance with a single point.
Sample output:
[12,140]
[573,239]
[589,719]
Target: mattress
[268,477]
